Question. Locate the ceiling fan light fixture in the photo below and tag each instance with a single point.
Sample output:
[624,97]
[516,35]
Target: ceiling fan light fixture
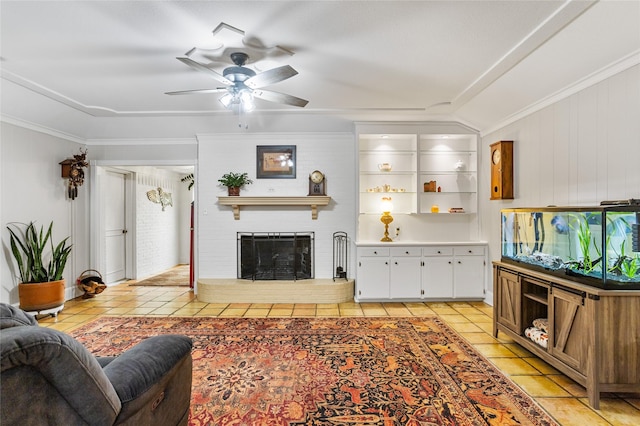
[246,100]
[227,100]
[248,106]
[243,85]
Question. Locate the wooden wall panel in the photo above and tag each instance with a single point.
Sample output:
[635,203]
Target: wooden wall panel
[587,148]
[561,150]
[592,141]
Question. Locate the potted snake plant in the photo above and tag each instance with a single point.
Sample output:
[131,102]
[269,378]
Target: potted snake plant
[40,266]
[234,181]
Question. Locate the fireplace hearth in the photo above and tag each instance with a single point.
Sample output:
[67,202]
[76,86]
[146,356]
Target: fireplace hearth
[275,256]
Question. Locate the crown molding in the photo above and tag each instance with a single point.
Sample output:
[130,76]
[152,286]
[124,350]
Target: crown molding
[610,70]
[42,129]
[142,141]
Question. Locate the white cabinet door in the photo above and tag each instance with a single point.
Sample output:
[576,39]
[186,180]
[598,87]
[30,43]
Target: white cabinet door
[469,277]
[372,281]
[437,277]
[405,278]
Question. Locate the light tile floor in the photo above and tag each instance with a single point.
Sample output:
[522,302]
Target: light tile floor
[564,399]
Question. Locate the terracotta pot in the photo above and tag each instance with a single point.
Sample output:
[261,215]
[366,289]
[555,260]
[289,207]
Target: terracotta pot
[41,296]
[234,191]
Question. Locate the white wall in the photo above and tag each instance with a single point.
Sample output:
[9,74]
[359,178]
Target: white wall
[33,190]
[579,151]
[332,153]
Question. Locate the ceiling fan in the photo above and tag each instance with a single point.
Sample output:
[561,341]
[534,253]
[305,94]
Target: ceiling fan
[242,84]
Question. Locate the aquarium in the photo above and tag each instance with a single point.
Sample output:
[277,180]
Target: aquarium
[597,246]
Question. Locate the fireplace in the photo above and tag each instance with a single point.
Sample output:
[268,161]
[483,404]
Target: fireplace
[275,255]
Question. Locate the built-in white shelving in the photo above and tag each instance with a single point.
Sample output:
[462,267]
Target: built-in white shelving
[402,166]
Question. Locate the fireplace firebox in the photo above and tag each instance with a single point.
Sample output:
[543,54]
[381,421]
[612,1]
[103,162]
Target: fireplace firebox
[275,255]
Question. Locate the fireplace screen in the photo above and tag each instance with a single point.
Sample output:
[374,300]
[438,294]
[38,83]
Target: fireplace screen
[275,256]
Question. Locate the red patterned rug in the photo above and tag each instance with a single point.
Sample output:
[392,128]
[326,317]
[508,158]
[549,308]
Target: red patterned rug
[330,371]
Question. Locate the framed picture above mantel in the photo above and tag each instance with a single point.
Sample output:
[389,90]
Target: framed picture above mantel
[276,161]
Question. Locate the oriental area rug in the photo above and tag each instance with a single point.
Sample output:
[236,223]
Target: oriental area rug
[330,371]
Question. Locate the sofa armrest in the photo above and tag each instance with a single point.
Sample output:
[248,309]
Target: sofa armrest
[139,368]
[153,380]
[57,360]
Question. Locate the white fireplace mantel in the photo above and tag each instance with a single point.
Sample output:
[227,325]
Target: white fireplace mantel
[312,201]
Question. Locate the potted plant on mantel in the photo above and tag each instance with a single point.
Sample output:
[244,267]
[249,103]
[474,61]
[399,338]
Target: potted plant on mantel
[41,284]
[234,181]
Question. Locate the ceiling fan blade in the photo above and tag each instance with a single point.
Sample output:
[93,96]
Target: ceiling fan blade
[271,76]
[280,98]
[198,66]
[197,91]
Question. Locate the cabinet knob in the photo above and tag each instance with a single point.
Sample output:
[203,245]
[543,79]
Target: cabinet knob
[375,252]
[459,262]
[396,263]
[406,252]
[439,252]
[449,262]
[386,263]
[470,251]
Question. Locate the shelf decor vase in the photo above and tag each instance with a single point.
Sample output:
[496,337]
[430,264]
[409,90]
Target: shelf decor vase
[234,191]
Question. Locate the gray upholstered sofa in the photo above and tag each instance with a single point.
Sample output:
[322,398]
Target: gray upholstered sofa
[49,378]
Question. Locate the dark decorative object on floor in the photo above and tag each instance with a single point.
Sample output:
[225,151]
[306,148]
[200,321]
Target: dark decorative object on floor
[91,283]
[340,258]
[329,371]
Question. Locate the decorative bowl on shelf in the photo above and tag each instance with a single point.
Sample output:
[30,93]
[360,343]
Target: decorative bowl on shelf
[384,167]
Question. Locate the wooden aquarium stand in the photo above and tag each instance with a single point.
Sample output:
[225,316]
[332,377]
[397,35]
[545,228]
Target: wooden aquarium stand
[593,333]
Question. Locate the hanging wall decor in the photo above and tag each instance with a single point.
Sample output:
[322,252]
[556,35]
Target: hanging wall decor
[72,169]
[158,196]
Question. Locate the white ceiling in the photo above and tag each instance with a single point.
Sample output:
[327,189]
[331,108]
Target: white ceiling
[478,62]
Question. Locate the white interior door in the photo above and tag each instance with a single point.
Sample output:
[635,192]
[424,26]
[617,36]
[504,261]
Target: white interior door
[115,226]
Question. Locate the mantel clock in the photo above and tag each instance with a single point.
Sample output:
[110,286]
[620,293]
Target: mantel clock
[317,183]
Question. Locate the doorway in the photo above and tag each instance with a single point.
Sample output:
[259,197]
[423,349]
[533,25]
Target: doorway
[130,234]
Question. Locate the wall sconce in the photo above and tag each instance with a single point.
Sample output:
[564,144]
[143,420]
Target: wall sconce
[72,170]
[386,217]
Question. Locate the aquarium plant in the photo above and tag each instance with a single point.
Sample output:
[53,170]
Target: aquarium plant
[583,231]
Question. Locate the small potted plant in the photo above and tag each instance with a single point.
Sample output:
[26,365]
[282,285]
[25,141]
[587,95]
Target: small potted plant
[234,181]
[41,284]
